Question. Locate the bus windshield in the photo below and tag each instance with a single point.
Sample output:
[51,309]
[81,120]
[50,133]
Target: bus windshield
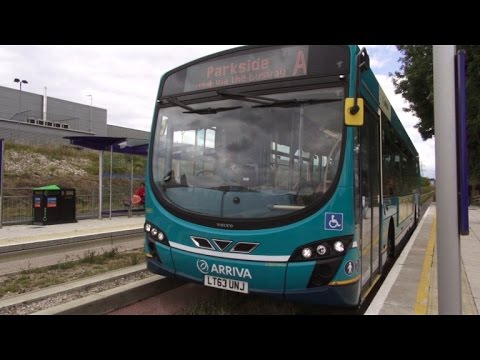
[249,157]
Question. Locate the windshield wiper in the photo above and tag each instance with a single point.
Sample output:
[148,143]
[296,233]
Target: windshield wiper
[202,111]
[295,102]
[233,188]
[209,110]
[249,98]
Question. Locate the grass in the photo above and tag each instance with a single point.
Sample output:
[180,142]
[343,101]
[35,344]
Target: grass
[84,159]
[425,197]
[54,151]
[72,269]
[231,303]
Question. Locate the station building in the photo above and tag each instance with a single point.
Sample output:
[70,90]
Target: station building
[26,117]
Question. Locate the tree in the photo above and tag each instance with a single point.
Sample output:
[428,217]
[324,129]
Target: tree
[414,82]
[425,182]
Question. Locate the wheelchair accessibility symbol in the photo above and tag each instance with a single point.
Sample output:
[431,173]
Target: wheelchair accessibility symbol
[334,221]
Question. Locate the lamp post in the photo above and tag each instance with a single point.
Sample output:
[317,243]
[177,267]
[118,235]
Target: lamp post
[17,80]
[90,122]
[20,82]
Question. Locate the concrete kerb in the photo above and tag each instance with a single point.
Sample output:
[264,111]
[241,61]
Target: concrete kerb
[76,285]
[109,300]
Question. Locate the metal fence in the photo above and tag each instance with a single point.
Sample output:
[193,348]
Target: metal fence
[18,209]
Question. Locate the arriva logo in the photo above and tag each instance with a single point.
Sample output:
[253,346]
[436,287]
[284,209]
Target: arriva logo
[204,268]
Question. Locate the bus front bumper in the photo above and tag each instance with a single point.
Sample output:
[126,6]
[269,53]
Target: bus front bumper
[341,295]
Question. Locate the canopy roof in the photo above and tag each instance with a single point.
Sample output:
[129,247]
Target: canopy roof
[119,144]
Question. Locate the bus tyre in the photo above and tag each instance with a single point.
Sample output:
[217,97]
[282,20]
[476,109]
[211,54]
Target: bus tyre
[391,243]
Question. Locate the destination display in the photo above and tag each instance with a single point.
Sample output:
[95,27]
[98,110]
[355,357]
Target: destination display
[264,65]
[256,65]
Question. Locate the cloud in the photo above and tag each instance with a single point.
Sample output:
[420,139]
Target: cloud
[123,79]
[383,58]
[377,63]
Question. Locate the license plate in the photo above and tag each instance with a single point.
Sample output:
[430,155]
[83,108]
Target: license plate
[227,284]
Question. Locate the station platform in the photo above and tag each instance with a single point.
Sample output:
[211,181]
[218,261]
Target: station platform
[411,287]
[25,237]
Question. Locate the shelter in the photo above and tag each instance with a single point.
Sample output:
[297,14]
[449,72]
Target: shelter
[121,145]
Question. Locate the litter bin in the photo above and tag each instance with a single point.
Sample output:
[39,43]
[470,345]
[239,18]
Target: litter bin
[53,205]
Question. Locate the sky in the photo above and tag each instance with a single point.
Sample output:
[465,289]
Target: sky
[124,79]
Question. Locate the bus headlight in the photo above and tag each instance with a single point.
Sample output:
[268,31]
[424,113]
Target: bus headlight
[338,246]
[154,233]
[321,249]
[307,253]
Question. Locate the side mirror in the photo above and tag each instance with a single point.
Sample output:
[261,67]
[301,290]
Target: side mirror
[354,106]
[355,119]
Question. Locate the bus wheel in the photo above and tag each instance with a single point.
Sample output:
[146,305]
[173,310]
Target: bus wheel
[391,242]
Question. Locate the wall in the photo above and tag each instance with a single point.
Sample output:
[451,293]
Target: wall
[14,124]
[76,115]
[119,131]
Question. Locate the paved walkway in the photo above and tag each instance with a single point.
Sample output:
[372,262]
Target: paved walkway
[411,288]
[471,256]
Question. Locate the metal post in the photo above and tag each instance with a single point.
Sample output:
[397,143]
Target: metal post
[19,109]
[45,101]
[20,100]
[2,162]
[131,189]
[111,168]
[100,183]
[90,121]
[449,277]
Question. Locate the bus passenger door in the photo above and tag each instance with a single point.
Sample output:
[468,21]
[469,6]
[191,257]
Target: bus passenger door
[369,189]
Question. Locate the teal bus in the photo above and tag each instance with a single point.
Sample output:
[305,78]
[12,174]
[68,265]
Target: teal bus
[279,170]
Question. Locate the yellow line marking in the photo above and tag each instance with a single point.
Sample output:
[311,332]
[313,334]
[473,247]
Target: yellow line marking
[421,305]
[345,282]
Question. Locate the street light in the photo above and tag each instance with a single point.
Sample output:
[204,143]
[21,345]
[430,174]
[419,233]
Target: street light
[90,122]
[17,80]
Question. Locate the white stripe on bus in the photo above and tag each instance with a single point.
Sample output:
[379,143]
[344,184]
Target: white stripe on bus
[236,256]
